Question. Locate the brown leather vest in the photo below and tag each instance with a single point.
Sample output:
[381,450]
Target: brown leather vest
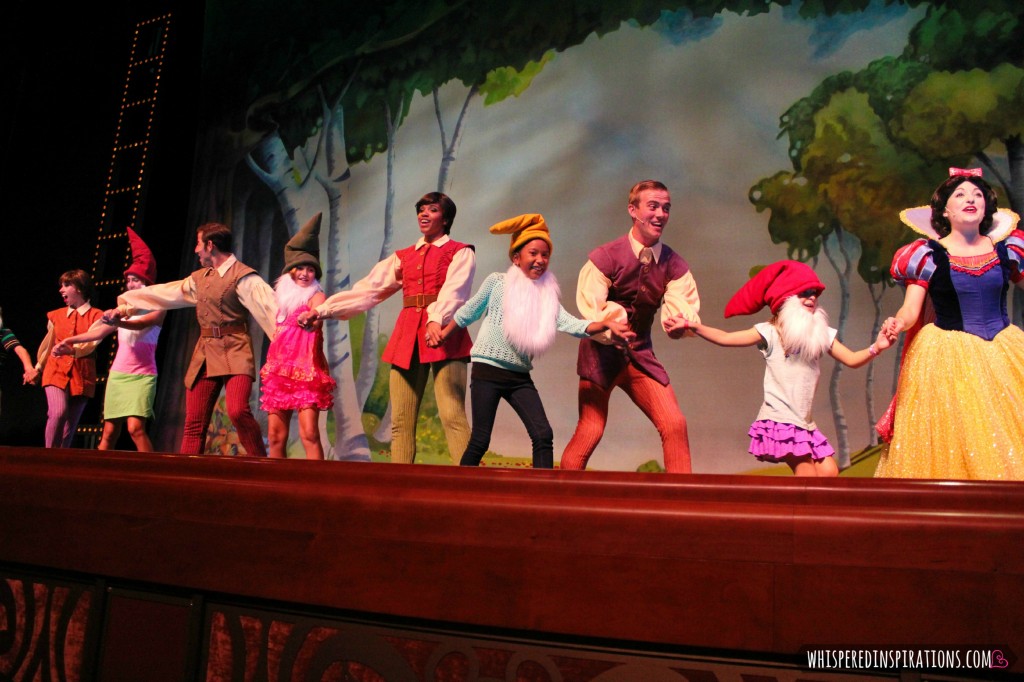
[217,306]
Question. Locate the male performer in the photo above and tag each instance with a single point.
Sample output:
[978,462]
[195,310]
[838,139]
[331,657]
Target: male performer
[224,292]
[626,280]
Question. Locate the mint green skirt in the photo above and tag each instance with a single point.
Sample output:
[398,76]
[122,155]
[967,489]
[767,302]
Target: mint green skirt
[129,395]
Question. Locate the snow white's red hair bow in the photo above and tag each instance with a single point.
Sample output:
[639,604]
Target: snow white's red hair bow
[967,172]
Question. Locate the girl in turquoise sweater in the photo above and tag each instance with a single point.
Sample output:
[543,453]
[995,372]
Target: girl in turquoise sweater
[523,314]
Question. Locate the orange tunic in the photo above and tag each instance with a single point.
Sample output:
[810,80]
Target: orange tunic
[67,371]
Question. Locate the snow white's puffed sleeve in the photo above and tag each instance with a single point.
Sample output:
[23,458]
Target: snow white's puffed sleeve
[914,264]
[1015,250]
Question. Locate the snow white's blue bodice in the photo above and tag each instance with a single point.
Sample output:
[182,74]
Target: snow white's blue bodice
[968,293]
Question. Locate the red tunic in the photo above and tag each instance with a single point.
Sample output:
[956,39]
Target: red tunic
[424,272]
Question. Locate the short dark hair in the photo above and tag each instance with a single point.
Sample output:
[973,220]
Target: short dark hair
[446,204]
[80,280]
[634,193]
[218,233]
[941,196]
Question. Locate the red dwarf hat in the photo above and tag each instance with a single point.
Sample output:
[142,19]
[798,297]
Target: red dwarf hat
[143,265]
[772,286]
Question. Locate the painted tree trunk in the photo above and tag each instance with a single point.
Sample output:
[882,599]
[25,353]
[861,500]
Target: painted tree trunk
[878,292]
[842,266]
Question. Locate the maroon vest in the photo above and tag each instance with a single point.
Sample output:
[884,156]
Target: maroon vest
[639,289]
[423,272]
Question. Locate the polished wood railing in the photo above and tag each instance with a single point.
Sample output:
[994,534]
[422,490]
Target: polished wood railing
[225,568]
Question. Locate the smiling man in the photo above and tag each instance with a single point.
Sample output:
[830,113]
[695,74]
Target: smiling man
[627,280]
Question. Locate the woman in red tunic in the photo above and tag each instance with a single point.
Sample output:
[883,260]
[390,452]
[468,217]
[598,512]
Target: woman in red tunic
[435,276]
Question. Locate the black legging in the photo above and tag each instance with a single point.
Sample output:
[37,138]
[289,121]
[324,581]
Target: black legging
[488,386]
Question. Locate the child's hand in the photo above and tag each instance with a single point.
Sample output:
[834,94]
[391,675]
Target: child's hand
[676,327]
[435,335]
[882,341]
[620,332]
[892,328]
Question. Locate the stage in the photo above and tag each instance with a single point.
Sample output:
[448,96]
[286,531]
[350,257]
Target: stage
[253,569]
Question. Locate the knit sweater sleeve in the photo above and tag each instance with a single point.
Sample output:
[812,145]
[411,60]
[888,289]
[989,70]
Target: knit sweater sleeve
[570,324]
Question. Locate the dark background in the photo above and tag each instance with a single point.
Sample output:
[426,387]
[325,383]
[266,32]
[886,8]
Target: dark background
[64,75]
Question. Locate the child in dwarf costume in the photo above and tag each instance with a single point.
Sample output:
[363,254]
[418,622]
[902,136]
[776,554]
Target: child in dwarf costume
[296,375]
[523,314]
[68,380]
[792,343]
[131,382]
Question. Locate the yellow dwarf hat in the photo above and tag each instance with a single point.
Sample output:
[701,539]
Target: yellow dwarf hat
[523,228]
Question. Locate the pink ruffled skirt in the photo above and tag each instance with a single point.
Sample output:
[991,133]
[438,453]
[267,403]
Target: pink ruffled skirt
[295,375]
[771,441]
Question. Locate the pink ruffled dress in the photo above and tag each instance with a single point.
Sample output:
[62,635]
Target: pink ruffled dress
[296,375]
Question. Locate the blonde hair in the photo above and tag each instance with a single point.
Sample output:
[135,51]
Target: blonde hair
[634,193]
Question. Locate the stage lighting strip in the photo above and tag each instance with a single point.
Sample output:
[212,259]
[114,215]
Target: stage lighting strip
[156,62]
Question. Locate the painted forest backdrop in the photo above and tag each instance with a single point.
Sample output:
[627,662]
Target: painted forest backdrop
[783,129]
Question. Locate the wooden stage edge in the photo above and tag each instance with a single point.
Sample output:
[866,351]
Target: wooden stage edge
[760,566]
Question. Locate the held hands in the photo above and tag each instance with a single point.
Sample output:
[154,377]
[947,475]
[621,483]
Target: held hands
[891,328]
[435,335]
[63,348]
[620,332]
[30,376]
[882,341]
[678,326]
[307,318]
[111,317]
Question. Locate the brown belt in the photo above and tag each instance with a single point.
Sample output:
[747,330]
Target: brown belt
[418,301]
[217,332]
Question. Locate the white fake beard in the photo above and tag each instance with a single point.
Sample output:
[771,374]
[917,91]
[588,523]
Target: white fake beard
[290,295]
[803,333]
[530,311]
